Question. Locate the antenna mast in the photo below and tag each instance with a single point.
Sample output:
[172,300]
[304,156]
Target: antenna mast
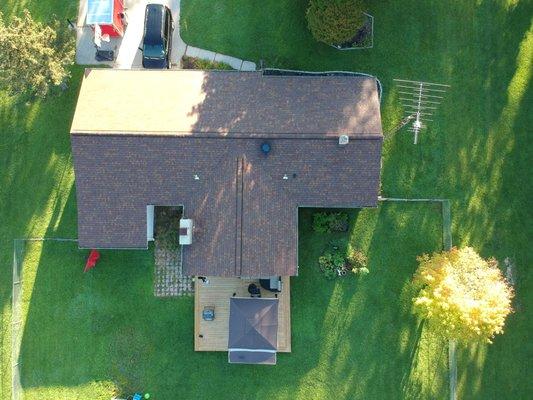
[419,100]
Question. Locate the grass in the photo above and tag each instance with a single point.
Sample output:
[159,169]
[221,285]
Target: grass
[36,178]
[102,333]
[476,152]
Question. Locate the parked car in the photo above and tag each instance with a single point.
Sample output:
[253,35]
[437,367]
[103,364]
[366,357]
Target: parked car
[157,38]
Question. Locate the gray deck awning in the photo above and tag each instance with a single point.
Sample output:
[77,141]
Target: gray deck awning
[253,331]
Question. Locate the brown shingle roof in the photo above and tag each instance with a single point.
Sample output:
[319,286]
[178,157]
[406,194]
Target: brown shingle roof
[245,213]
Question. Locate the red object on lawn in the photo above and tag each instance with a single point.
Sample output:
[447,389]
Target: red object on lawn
[94,255]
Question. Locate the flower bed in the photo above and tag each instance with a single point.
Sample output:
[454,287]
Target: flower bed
[335,262]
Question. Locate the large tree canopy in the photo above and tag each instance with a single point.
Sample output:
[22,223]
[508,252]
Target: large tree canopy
[33,57]
[462,295]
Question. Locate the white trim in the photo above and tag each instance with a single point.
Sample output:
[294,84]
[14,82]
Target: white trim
[254,350]
[150,222]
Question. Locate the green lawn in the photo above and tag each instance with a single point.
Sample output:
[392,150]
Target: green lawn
[36,177]
[350,339]
[91,334]
[476,152]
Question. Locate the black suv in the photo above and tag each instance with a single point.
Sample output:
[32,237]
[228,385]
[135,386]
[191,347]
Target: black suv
[157,39]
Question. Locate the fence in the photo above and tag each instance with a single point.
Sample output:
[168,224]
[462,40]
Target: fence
[19,247]
[294,72]
[17,326]
[446,245]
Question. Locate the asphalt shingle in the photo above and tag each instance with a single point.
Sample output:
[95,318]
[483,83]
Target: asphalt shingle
[245,203]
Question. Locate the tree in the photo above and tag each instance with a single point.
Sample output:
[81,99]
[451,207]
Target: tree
[335,21]
[462,295]
[33,57]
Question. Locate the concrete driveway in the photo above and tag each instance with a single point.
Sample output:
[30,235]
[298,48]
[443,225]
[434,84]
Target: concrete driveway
[126,49]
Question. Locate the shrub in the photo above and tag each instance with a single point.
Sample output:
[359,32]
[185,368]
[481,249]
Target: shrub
[331,260]
[360,271]
[335,21]
[321,222]
[338,222]
[462,295]
[334,262]
[330,274]
[356,259]
[326,261]
[324,222]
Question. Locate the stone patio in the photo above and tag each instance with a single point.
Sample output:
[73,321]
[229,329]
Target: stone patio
[169,279]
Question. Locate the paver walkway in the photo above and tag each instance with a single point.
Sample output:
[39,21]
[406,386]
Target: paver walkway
[235,63]
[169,279]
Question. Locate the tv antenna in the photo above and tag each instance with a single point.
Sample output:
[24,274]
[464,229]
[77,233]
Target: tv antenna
[419,100]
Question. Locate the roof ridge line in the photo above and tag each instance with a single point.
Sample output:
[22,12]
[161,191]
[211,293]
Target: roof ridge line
[233,135]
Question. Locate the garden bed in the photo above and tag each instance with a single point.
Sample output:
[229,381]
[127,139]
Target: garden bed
[197,63]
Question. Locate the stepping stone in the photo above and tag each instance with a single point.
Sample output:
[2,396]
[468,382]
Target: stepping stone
[235,63]
[248,66]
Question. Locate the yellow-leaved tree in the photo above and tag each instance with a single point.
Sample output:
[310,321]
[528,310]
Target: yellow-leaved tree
[463,296]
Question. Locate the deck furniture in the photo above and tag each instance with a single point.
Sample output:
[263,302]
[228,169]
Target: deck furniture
[208,314]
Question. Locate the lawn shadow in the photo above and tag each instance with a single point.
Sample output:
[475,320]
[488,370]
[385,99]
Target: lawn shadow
[35,183]
[476,153]
[393,349]
[97,332]
[369,342]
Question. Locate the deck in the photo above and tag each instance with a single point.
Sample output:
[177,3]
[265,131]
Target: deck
[213,335]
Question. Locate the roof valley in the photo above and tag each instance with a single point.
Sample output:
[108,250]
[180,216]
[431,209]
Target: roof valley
[239,187]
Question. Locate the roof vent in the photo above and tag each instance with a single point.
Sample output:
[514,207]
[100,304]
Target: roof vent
[265,148]
[343,140]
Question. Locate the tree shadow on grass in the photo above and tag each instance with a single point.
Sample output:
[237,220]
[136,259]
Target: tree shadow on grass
[102,331]
[393,346]
[368,344]
[477,153]
[35,182]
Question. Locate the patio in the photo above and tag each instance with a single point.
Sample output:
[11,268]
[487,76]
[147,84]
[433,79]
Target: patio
[217,291]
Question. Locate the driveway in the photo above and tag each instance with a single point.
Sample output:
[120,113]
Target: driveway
[126,48]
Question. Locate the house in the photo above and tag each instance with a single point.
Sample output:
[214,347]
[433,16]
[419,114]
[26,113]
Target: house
[193,138]
[239,151]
